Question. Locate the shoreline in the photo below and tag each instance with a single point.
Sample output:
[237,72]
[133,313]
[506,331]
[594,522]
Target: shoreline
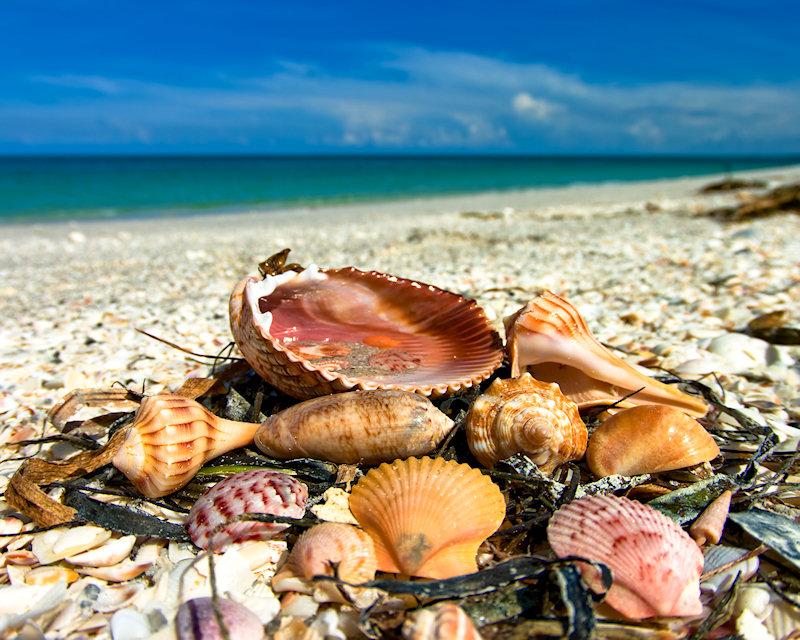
[595,193]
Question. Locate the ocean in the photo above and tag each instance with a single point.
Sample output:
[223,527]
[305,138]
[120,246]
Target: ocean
[65,188]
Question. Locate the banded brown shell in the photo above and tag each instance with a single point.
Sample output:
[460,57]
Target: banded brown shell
[427,516]
[356,427]
[325,331]
[550,339]
[445,621]
[523,415]
[648,439]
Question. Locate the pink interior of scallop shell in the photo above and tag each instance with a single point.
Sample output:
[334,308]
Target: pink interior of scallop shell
[369,326]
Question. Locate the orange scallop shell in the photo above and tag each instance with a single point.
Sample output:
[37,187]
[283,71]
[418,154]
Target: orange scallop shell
[550,338]
[427,516]
[325,331]
[523,415]
[655,565]
[318,551]
[648,439]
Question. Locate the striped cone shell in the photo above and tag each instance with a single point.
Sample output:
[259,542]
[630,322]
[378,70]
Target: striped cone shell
[325,331]
[656,566]
[257,491]
[427,516]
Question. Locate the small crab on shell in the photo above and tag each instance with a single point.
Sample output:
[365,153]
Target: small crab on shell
[318,331]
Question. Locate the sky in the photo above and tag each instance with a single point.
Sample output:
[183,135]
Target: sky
[256,76]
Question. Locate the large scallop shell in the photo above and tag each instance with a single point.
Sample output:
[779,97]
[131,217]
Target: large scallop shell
[325,331]
[259,491]
[648,439]
[427,516]
[319,551]
[523,415]
[550,338]
[445,621]
[170,439]
[356,427]
[656,566]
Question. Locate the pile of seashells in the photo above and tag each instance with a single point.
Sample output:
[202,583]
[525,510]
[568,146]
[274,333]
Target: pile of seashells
[476,492]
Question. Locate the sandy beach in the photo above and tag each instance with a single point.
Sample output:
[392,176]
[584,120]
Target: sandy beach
[656,278]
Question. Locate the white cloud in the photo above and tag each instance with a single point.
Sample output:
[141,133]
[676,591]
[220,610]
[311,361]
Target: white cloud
[525,104]
[646,131]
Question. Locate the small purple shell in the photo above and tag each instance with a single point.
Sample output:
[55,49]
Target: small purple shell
[258,491]
[196,620]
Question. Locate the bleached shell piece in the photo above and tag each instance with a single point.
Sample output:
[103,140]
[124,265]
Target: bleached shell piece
[445,621]
[549,338]
[79,539]
[318,550]
[523,415]
[427,516]
[357,427]
[171,438]
[718,555]
[709,525]
[42,576]
[648,439]
[197,620]
[655,565]
[259,491]
[106,555]
[127,569]
[326,331]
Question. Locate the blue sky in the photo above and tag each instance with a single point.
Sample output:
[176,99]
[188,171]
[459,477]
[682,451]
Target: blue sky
[432,77]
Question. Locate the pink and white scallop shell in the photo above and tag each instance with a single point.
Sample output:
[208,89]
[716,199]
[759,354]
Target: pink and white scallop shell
[325,331]
[656,566]
[259,491]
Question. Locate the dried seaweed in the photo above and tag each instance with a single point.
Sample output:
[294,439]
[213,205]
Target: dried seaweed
[685,504]
[577,599]
[719,614]
[777,532]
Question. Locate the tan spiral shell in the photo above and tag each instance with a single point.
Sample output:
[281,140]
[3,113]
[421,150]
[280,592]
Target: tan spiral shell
[523,415]
[356,427]
[171,438]
[427,516]
[318,551]
[648,439]
[445,621]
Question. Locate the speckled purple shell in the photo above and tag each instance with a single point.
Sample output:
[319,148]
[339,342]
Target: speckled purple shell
[330,330]
[196,620]
[258,491]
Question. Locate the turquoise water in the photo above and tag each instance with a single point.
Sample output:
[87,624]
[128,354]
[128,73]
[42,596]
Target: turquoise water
[50,188]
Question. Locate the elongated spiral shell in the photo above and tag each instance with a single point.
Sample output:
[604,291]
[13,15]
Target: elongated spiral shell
[171,438]
[427,516]
[321,549]
[356,427]
[648,439]
[655,565]
[211,522]
[523,415]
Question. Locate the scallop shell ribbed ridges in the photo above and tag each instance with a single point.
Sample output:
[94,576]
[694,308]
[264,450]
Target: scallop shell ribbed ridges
[170,439]
[427,516]
[648,439]
[327,331]
[257,491]
[655,565]
[550,338]
[523,415]
[322,547]
[357,427]
[446,621]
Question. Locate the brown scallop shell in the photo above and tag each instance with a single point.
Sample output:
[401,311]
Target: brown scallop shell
[550,339]
[427,516]
[325,331]
[356,427]
[321,549]
[523,415]
[648,439]
[171,438]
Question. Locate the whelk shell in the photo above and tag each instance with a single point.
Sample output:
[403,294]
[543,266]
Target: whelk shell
[427,516]
[648,439]
[321,549]
[171,438]
[523,415]
[356,427]
[446,621]
[550,338]
[259,491]
[325,331]
[656,566]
